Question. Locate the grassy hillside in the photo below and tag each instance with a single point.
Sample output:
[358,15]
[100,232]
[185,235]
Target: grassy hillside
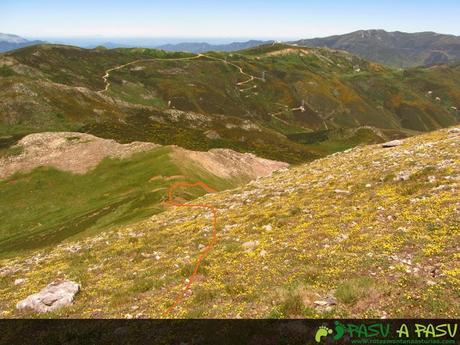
[42,206]
[371,232]
[256,100]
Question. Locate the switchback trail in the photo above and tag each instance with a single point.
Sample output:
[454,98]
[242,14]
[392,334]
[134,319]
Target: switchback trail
[189,281]
[106,76]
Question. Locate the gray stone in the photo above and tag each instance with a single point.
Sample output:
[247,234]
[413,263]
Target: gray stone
[56,295]
[250,244]
[211,134]
[402,176]
[392,143]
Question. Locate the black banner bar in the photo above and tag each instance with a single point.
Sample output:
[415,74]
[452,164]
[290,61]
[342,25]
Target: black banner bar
[212,332]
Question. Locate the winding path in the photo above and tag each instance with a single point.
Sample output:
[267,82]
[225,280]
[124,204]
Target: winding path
[251,78]
[106,76]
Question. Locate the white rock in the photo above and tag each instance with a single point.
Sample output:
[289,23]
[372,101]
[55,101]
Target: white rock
[19,281]
[268,227]
[341,191]
[56,295]
[454,130]
[392,143]
[263,253]
[321,303]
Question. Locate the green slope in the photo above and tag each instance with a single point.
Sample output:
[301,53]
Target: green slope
[46,206]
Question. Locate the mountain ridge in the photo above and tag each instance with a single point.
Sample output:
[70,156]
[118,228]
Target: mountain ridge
[397,49]
[10,42]
[201,47]
[278,101]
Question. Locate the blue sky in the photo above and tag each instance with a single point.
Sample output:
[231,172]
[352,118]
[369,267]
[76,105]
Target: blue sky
[229,19]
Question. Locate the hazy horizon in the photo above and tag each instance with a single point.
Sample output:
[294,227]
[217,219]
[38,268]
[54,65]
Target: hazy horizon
[203,19]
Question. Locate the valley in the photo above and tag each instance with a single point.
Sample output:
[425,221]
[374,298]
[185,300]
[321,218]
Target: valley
[55,186]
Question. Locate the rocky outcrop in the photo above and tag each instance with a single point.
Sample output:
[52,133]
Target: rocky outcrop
[67,151]
[227,163]
[56,295]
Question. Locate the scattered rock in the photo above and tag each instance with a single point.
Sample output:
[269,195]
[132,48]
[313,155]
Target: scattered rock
[73,248]
[321,303]
[263,253]
[329,301]
[19,281]
[392,143]
[402,176]
[56,295]
[211,134]
[250,244]
[341,191]
[268,227]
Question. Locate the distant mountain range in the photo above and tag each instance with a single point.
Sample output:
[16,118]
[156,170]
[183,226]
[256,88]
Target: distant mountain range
[11,42]
[396,49]
[200,47]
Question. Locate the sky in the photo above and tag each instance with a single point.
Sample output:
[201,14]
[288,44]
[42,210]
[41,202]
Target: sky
[251,19]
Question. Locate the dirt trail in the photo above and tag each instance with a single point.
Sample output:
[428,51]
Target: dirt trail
[106,76]
[107,72]
[189,281]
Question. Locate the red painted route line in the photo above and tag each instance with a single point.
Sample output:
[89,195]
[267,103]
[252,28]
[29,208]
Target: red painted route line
[211,243]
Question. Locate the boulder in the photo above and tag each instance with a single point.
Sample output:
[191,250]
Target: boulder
[56,295]
[392,143]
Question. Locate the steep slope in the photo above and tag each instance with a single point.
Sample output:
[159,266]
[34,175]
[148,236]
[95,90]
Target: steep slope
[396,49]
[371,232]
[271,100]
[59,185]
